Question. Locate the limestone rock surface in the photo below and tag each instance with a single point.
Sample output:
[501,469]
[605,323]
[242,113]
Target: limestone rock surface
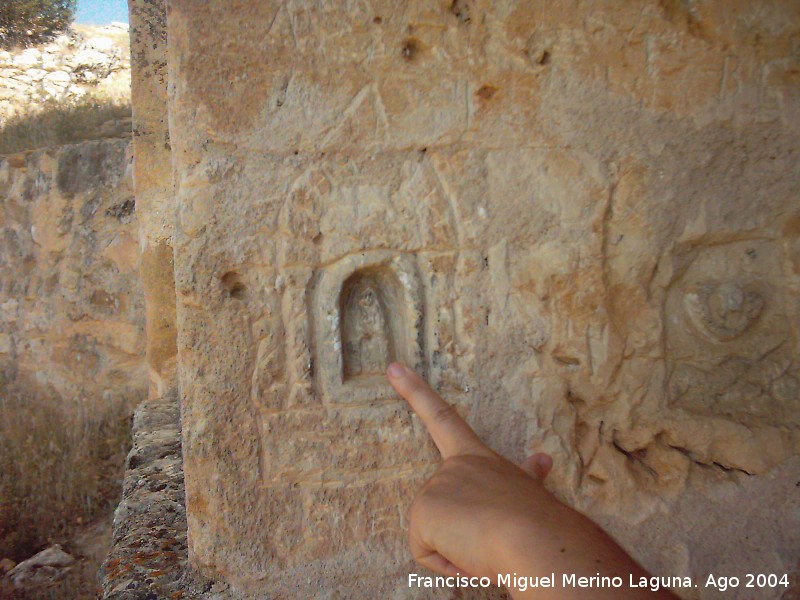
[581,223]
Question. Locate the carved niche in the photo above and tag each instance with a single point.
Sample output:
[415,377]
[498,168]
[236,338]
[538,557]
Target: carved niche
[367,313]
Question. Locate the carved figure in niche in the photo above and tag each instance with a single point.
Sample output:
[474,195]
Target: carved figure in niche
[723,311]
[368,312]
[366,337]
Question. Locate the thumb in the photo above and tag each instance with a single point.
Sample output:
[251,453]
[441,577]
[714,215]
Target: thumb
[537,465]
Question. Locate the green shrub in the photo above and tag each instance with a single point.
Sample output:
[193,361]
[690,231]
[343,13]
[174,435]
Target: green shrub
[26,22]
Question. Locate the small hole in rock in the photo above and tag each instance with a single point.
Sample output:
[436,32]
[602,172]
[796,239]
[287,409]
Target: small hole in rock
[487,92]
[377,20]
[544,58]
[460,9]
[234,285]
[410,49]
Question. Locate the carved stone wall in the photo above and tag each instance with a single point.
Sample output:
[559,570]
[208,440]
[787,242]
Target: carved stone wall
[579,221]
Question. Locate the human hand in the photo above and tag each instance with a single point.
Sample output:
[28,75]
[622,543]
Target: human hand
[480,515]
[460,519]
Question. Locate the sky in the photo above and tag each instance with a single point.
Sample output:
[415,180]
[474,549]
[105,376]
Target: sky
[101,12]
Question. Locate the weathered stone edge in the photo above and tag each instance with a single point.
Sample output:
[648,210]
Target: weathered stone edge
[148,555]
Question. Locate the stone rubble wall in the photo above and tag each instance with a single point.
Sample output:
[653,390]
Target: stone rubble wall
[71,303]
[87,60]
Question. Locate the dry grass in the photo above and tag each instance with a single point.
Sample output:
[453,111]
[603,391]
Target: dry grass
[60,466]
[55,124]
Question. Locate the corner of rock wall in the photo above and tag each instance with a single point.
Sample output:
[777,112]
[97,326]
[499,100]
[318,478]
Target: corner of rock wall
[153,187]
[149,551]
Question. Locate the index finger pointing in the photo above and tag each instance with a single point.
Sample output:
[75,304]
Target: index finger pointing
[449,431]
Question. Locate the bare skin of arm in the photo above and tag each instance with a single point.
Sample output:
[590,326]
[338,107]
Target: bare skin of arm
[481,515]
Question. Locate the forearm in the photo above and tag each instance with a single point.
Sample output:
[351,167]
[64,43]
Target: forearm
[481,514]
[566,543]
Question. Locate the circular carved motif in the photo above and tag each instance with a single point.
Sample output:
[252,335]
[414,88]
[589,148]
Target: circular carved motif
[723,311]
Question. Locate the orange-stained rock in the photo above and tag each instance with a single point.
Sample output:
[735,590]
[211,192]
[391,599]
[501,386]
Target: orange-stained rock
[71,305]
